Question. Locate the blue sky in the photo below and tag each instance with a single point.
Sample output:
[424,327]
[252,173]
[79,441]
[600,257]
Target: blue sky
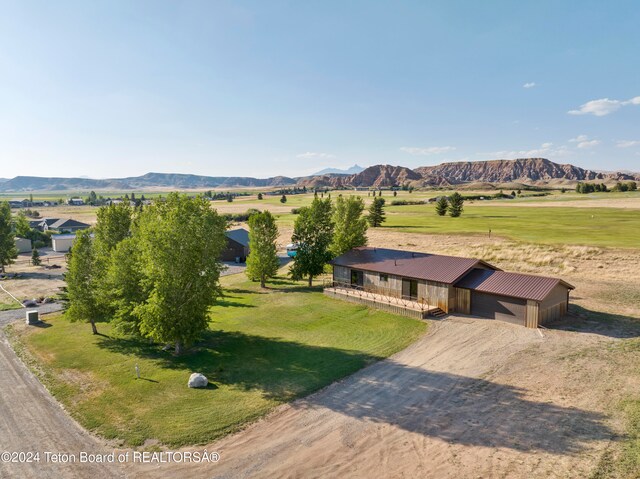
[120,88]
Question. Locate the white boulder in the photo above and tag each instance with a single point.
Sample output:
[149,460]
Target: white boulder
[197,380]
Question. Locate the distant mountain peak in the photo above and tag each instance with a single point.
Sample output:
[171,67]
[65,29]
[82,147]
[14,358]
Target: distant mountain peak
[336,171]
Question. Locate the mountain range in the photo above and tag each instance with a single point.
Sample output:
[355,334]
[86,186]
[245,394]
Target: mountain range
[349,171]
[526,171]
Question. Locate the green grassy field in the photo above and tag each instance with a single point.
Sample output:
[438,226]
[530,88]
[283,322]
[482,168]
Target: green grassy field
[582,226]
[264,347]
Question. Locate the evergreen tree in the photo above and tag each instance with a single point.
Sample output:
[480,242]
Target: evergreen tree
[456,203]
[350,227]
[35,257]
[23,229]
[283,199]
[262,262]
[376,212]
[442,205]
[313,232]
[82,283]
[395,193]
[8,250]
[259,196]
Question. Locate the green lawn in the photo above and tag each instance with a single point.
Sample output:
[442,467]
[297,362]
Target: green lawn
[263,348]
[9,306]
[615,227]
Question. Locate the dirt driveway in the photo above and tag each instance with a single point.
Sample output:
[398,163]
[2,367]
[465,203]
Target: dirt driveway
[464,401]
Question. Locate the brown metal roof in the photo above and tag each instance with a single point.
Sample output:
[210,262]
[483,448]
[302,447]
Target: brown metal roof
[429,267]
[516,285]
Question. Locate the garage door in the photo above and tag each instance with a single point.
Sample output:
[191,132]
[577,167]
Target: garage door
[501,308]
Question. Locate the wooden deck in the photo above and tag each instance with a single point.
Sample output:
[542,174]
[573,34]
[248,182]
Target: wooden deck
[401,306]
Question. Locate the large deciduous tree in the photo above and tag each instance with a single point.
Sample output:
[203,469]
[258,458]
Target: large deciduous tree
[376,212]
[313,232]
[8,250]
[125,278]
[180,242]
[113,226]
[262,262]
[350,227]
[82,282]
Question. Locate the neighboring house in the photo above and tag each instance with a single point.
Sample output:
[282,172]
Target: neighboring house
[62,224]
[44,223]
[237,246]
[75,201]
[23,245]
[62,243]
[417,284]
[19,203]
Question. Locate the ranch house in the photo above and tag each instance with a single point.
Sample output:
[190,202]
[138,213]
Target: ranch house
[420,284]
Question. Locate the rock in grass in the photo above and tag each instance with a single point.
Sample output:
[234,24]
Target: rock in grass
[197,380]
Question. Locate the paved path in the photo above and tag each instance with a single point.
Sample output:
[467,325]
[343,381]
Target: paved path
[7,317]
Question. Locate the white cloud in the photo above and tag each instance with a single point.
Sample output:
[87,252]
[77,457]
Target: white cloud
[432,150]
[588,144]
[312,155]
[603,106]
[578,139]
[529,85]
[627,143]
[545,150]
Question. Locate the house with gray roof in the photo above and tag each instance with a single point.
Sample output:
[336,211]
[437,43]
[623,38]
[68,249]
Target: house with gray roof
[62,224]
[237,245]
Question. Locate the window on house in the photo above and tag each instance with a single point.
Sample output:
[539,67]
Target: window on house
[384,278]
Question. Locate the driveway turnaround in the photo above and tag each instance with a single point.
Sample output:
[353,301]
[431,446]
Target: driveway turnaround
[472,398]
[31,421]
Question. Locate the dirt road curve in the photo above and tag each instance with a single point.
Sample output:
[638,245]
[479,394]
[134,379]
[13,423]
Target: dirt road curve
[449,406]
[30,420]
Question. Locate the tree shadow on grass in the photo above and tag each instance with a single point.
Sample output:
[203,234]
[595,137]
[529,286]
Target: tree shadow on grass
[448,407]
[580,319]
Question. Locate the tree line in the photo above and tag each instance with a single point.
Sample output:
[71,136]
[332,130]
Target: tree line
[601,187]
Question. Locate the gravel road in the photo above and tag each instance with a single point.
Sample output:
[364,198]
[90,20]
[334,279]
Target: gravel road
[32,421]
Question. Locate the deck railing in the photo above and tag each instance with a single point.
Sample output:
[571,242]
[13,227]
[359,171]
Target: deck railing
[379,295]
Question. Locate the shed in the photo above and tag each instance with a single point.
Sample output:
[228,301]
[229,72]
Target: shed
[62,243]
[23,245]
[237,245]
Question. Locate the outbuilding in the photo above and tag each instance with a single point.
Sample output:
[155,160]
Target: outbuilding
[23,245]
[62,243]
[237,245]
